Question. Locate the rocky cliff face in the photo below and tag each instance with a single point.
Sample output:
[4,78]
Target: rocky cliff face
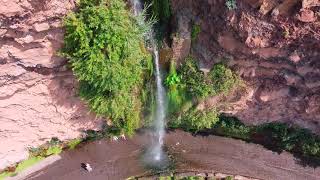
[37,91]
[274,45]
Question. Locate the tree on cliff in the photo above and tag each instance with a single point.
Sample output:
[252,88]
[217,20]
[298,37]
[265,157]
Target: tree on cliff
[104,44]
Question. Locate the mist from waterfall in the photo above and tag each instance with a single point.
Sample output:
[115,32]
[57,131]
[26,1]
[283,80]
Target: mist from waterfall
[155,152]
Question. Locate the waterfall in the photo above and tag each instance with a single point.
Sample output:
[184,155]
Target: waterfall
[160,113]
[156,150]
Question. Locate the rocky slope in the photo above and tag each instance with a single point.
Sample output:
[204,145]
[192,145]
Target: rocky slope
[274,45]
[37,92]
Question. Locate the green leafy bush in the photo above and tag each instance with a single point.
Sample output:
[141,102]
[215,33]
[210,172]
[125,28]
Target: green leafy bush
[173,78]
[196,29]
[232,127]
[222,79]
[104,44]
[276,136]
[194,79]
[219,80]
[195,120]
[293,139]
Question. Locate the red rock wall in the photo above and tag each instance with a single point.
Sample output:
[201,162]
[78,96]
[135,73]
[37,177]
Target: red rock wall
[273,45]
[37,92]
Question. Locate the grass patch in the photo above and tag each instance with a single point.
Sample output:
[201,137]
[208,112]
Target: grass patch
[52,147]
[74,143]
[28,163]
[21,166]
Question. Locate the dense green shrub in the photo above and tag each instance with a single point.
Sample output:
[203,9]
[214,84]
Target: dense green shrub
[194,80]
[280,137]
[232,127]
[104,44]
[219,80]
[276,136]
[196,29]
[222,79]
[195,120]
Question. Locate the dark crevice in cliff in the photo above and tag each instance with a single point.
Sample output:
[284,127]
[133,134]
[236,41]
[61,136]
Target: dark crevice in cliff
[41,69]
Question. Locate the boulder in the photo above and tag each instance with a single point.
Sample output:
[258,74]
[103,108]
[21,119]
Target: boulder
[307,15]
[310,3]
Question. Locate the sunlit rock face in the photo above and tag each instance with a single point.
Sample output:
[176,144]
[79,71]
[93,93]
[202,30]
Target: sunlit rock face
[273,45]
[37,91]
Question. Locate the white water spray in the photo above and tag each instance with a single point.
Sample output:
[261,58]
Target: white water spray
[156,150]
[160,114]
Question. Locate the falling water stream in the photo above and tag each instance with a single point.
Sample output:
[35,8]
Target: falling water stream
[155,152]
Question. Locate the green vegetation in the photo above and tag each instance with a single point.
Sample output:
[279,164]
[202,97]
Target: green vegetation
[176,92]
[219,80]
[161,10]
[21,166]
[195,120]
[289,138]
[105,132]
[231,127]
[222,79]
[74,143]
[196,29]
[275,136]
[104,44]
[195,80]
[190,83]
[229,178]
[173,78]
[231,4]
[54,146]
[28,163]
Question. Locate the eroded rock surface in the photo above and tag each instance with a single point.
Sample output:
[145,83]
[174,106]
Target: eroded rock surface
[273,45]
[37,91]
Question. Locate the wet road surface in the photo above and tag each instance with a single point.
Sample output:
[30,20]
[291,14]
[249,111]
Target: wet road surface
[122,159]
